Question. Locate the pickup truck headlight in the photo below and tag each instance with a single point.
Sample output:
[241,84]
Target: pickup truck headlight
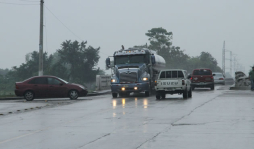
[145,79]
[113,80]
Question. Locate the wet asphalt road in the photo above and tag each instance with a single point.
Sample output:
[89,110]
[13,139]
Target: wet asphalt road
[219,119]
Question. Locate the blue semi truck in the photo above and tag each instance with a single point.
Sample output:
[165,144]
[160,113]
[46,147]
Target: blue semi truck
[134,70]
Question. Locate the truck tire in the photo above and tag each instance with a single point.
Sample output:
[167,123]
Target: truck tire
[190,93]
[114,95]
[158,97]
[193,88]
[185,94]
[163,96]
[147,93]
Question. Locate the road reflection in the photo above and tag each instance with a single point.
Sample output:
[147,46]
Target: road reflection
[145,103]
[114,102]
[136,102]
[123,103]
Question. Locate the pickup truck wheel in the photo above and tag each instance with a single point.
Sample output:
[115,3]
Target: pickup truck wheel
[147,93]
[212,87]
[114,95]
[185,94]
[190,93]
[158,97]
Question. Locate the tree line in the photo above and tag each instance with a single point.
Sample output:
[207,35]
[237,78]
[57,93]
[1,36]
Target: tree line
[76,62]
[161,41]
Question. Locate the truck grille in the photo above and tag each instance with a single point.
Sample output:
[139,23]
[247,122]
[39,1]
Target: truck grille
[128,77]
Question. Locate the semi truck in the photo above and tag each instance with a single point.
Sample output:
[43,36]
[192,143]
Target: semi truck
[134,70]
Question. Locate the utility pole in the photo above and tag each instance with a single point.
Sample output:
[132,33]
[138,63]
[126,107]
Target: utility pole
[231,63]
[223,58]
[41,40]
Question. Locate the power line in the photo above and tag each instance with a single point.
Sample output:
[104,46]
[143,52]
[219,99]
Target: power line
[16,3]
[62,22]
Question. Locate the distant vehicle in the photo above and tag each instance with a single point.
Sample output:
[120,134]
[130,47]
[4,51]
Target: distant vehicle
[134,70]
[202,78]
[173,81]
[48,87]
[219,78]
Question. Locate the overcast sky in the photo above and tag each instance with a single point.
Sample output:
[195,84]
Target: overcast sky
[197,25]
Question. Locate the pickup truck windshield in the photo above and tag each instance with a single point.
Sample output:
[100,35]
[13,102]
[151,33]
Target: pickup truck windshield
[171,74]
[129,59]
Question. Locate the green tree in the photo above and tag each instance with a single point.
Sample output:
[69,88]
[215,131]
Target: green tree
[80,59]
[160,39]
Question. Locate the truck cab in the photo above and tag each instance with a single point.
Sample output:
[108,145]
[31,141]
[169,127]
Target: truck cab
[173,81]
[134,70]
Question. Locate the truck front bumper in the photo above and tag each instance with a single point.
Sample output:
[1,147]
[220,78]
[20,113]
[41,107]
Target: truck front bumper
[131,87]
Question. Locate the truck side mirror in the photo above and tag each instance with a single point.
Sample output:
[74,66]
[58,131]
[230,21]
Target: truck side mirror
[153,59]
[108,62]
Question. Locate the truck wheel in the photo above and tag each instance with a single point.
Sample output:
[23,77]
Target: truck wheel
[114,95]
[190,93]
[147,93]
[163,96]
[185,94]
[193,88]
[212,87]
[158,97]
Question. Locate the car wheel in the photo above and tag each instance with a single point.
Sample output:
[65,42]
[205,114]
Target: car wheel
[29,95]
[147,93]
[212,87]
[185,94]
[73,94]
[114,95]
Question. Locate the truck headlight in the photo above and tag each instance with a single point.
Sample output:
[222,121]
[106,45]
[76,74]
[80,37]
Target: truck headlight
[145,79]
[113,80]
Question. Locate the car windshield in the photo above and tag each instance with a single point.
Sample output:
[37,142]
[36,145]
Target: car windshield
[218,75]
[202,72]
[129,59]
[63,80]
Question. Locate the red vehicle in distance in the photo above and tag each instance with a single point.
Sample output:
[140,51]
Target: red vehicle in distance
[202,78]
[48,87]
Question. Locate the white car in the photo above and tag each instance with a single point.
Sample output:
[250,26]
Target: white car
[173,81]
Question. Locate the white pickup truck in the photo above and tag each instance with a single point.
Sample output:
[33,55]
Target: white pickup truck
[173,81]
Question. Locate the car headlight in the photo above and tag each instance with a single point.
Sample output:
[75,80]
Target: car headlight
[145,79]
[113,80]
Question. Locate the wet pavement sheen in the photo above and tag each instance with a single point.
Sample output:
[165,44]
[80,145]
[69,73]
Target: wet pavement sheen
[210,119]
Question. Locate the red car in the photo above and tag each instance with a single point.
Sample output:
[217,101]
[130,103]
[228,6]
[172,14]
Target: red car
[202,78]
[48,87]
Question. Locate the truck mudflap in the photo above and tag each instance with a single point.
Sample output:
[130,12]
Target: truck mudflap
[131,87]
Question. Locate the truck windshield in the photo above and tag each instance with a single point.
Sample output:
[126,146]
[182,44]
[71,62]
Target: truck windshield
[129,59]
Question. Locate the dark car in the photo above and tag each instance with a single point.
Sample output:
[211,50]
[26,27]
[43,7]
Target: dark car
[202,78]
[48,87]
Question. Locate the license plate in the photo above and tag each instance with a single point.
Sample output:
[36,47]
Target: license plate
[125,86]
